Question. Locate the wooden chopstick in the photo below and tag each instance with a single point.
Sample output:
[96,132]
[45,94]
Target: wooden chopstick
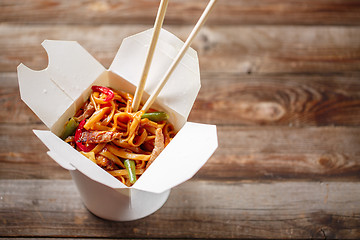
[157,27]
[180,55]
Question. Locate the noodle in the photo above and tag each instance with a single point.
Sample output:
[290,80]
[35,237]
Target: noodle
[108,133]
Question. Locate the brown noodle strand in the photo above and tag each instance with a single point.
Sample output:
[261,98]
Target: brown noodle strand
[123,153]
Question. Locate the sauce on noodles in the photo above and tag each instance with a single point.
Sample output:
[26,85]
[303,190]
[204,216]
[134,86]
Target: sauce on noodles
[109,133]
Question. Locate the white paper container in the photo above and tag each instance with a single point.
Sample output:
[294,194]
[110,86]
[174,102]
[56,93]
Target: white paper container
[57,92]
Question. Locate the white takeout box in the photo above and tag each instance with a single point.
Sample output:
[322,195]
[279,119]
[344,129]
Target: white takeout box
[57,92]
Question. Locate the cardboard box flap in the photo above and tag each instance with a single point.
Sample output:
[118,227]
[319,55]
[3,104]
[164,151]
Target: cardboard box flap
[71,67]
[60,160]
[183,86]
[36,89]
[181,159]
[50,92]
[68,155]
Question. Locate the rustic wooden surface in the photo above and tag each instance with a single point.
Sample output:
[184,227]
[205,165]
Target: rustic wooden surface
[280,79]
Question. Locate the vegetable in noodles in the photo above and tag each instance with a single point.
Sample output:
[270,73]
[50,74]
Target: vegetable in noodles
[122,142]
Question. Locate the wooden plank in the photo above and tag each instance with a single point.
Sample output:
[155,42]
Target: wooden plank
[281,100]
[240,49]
[286,100]
[195,209]
[244,153]
[320,12]
[12,109]
[285,153]
[43,168]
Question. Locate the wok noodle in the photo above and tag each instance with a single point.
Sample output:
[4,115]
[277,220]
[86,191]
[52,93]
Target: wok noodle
[109,133]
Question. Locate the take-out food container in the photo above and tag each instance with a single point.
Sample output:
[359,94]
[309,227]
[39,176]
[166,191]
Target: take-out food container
[58,91]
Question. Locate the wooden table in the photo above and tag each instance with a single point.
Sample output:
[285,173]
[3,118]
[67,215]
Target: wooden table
[280,79]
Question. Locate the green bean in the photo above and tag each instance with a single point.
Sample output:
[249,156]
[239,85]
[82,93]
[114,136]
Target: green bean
[70,128]
[155,116]
[130,167]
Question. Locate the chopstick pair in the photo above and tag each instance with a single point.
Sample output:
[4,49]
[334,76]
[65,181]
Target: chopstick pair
[157,27]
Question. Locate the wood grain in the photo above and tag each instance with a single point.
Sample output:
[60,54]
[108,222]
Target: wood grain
[12,109]
[284,100]
[320,12]
[285,153]
[280,79]
[195,209]
[240,49]
[252,100]
[244,153]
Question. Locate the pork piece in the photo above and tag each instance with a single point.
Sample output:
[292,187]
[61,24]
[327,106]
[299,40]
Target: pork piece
[70,140]
[158,147]
[89,110]
[105,163]
[99,136]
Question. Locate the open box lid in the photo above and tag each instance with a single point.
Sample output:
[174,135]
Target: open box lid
[71,70]
[50,92]
[182,88]
[65,84]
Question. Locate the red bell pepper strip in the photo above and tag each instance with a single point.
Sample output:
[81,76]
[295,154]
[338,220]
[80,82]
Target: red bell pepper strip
[105,90]
[81,145]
